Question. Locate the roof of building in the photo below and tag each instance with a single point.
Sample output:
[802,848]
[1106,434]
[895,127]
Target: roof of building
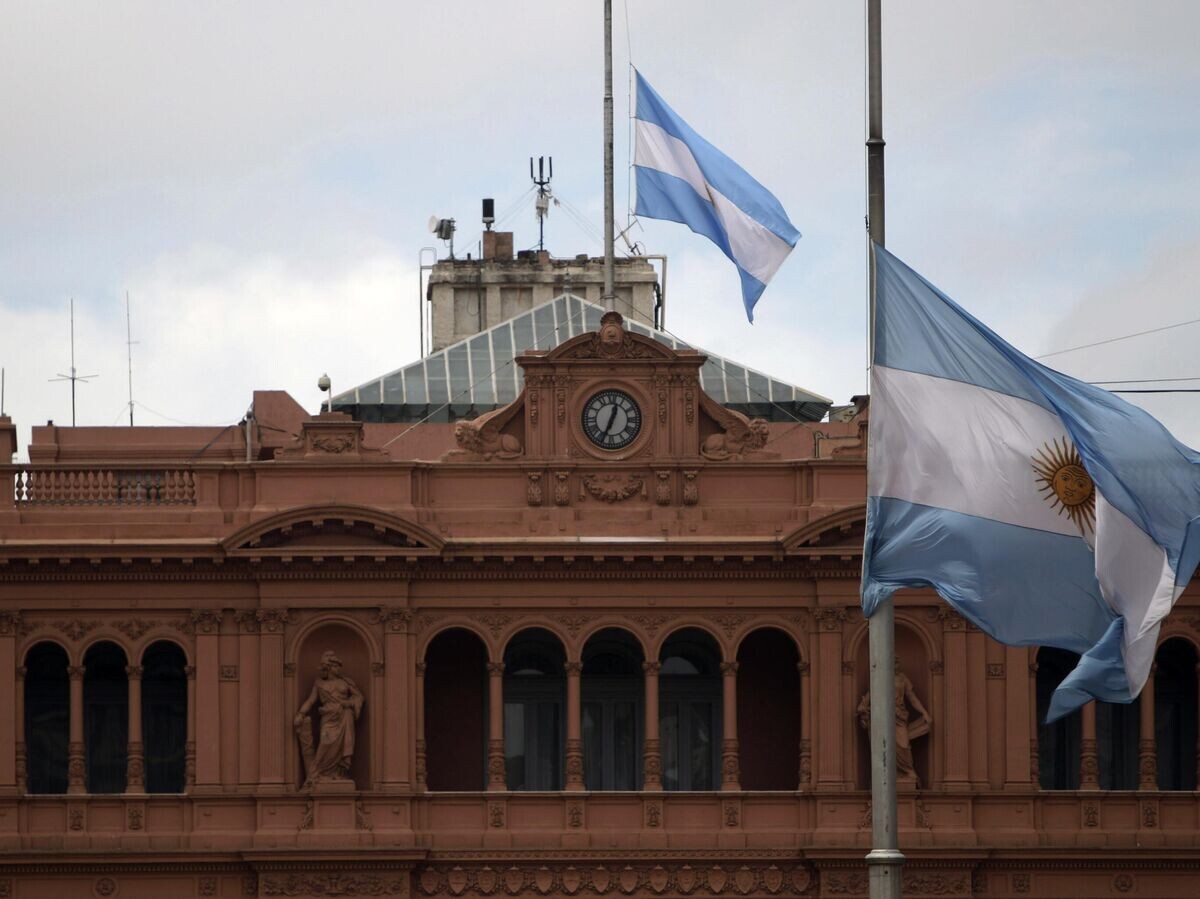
[477,374]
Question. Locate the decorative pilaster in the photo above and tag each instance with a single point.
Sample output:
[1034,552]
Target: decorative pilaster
[396,747]
[76,769]
[207,624]
[955,735]
[275,730]
[248,698]
[1147,748]
[574,760]
[497,776]
[730,775]
[20,762]
[651,749]
[135,759]
[1089,763]
[805,778]
[1035,762]
[830,752]
[422,771]
[189,745]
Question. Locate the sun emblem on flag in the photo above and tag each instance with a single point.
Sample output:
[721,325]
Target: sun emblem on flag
[1065,483]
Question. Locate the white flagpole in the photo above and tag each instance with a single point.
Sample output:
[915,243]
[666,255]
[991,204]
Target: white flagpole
[885,859]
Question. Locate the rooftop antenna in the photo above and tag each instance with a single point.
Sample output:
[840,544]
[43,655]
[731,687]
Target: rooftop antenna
[129,342]
[73,377]
[444,229]
[1,393]
[545,173]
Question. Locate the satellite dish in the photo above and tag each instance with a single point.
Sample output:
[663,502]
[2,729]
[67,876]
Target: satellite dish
[433,224]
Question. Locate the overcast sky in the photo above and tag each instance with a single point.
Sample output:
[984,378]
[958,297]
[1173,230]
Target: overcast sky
[259,178]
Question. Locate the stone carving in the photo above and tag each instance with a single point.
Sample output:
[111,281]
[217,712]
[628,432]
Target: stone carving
[1020,883]
[207,886]
[10,623]
[1149,815]
[75,818]
[562,488]
[1089,764]
[340,704]
[206,621]
[691,489]
[105,886]
[533,491]
[612,341]
[937,883]
[612,488]
[1122,883]
[1147,765]
[335,883]
[76,630]
[333,444]
[1091,815]
[575,815]
[662,488]
[844,883]
[484,438]
[740,437]
[906,730]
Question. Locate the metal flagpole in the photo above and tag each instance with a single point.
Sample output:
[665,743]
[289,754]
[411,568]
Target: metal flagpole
[885,859]
[609,292]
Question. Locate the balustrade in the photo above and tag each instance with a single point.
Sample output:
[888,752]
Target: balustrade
[41,486]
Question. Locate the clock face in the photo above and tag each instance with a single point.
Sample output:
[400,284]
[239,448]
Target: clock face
[611,419]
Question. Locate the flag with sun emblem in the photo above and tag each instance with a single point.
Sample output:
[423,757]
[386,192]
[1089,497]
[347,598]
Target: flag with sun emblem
[1045,510]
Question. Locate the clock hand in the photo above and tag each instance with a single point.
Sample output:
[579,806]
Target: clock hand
[611,421]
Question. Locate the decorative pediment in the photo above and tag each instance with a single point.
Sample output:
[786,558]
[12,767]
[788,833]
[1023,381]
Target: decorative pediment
[333,530]
[330,437]
[844,528]
[612,342]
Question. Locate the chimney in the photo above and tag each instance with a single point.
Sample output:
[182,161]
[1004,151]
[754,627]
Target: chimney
[497,245]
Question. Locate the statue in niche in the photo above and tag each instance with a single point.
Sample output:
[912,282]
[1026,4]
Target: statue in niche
[907,729]
[339,703]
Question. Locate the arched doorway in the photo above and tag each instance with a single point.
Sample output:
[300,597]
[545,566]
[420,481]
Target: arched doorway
[612,711]
[768,718]
[164,716]
[105,717]
[689,689]
[455,711]
[534,703]
[47,718]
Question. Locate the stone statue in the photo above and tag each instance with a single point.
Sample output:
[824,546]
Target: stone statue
[340,704]
[906,730]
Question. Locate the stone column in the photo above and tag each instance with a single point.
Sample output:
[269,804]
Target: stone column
[1020,718]
[1147,748]
[831,763]
[20,766]
[248,699]
[497,777]
[396,748]
[1089,764]
[275,722]
[730,775]
[419,708]
[652,748]
[955,735]
[805,780]
[208,704]
[189,743]
[11,697]
[135,757]
[76,773]
[574,765]
[1035,760]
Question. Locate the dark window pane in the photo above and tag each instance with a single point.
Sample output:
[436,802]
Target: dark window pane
[164,717]
[669,734]
[47,718]
[624,752]
[592,731]
[105,718]
[514,744]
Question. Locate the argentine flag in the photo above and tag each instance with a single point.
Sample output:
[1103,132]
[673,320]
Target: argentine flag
[1045,510]
[683,178]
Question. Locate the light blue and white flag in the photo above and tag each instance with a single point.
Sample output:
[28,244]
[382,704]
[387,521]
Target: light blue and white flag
[683,178]
[1045,510]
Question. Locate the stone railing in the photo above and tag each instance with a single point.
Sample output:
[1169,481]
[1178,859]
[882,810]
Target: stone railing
[117,486]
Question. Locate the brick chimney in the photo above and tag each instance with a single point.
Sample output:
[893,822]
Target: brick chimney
[497,245]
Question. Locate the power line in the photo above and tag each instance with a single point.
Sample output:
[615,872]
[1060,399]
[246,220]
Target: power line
[1085,346]
[1143,381]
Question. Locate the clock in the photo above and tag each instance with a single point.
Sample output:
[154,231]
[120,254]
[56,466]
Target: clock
[612,419]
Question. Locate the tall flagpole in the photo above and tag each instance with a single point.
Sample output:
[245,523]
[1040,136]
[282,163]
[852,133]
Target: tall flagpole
[610,299]
[884,860]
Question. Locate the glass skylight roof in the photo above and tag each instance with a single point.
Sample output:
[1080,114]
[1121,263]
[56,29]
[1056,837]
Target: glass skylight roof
[478,374]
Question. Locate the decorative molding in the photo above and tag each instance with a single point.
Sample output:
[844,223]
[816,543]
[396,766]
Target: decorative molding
[730,623]
[562,488]
[494,623]
[533,490]
[334,883]
[10,623]
[206,621]
[76,629]
[995,670]
[829,619]
[272,621]
[691,487]
[393,618]
[229,672]
[613,488]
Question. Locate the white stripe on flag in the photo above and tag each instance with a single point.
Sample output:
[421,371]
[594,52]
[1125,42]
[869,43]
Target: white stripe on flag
[756,249]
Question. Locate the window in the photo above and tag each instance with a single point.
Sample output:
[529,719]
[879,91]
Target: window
[164,717]
[534,698]
[612,706]
[1117,727]
[1175,715]
[768,713]
[690,711]
[1058,743]
[455,711]
[47,718]
[105,718]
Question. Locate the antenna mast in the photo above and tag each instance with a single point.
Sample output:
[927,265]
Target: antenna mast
[610,299]
[542,204]
[129,342]
[73,377]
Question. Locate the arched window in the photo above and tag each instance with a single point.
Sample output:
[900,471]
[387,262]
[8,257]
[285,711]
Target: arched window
[47,718]
[1117,744]
[612,710]
[689,689]
[105,718]
[1058,743]
[164,716]
[534,698]
[1175,715]
[768,713]
[455,711]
